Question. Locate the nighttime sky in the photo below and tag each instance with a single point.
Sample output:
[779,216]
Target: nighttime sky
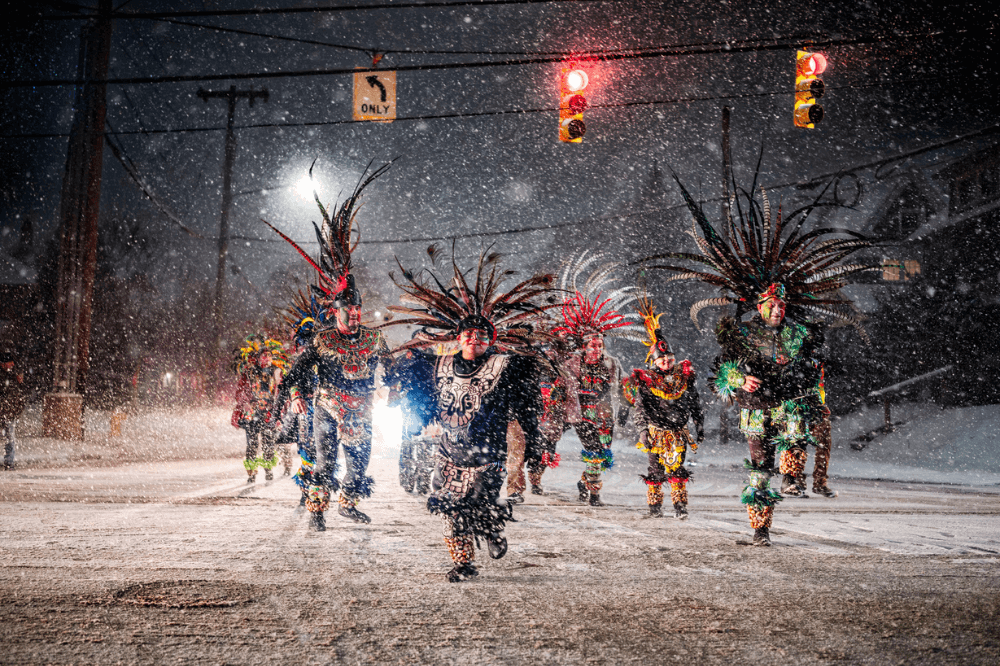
[915,75]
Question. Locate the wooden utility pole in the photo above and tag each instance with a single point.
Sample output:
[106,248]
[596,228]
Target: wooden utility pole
[231,96]
[79,206]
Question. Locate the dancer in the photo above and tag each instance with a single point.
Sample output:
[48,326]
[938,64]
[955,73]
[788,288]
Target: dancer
[663,399]
[471,396]
[339,366]
[768,365]
[304,317]
[593,375]
[12,399]
[259,363]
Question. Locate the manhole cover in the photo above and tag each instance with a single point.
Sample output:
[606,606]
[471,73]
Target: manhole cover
[186,594]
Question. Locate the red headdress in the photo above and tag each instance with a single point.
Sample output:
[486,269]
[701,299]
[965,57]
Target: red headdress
[594,308]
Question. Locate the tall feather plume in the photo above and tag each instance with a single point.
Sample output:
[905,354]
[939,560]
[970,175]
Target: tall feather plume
[334,234]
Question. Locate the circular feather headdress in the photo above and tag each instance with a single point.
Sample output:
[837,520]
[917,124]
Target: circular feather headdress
[441,308]
[764,257]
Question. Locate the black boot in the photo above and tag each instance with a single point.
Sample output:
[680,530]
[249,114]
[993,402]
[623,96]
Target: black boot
[584,493]
[302,500]
[537,490]
[317,522]
[680,511]
[761,537]
[462,572]
[354,515]
[268,475]
[595,500]
[789,487]
[655,511]
[497,543]
[824,491]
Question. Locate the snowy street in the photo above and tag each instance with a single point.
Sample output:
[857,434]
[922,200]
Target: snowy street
[178,560]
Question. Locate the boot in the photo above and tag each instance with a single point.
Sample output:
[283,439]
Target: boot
[655,511]
[761,537]
[462,572]
[354,514]
[584,493]
[680,511]
[302,499]
[515,498]
[537,490]
[268,475]
[288,471]
[824,491]
[497,544]
[317,522]
[595,500]
[251,475]
[800,483]
[789,487]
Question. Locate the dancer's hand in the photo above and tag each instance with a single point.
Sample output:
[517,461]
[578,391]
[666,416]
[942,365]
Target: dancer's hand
[751,384]
[644,438]
[298,406]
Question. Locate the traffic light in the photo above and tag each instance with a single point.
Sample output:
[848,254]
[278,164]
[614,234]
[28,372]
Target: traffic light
[572,102]
[808,88]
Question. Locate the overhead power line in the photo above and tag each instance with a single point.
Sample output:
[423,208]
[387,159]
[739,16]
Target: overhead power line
[471,114]
[707,49]
[995,129]
[313,10]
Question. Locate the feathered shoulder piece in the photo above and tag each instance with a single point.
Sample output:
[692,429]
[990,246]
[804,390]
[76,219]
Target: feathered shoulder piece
[594,304]
[338,235]
[442,306]
[305,316]
[764,251]
[246,356]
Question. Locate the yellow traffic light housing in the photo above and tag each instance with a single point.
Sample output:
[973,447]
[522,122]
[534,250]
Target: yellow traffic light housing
[808,88]
[572,103]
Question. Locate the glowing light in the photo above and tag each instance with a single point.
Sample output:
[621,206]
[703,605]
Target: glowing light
[387,427]
[304,188]
[817,64]
[576,80]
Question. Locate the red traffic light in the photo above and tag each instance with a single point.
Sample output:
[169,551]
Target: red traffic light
[576,80]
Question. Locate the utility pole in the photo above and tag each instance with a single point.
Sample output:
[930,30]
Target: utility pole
[79,205]
[726,213]
[231,96]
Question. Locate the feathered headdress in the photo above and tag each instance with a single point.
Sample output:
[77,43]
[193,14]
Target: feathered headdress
[655,340]
[335,283]
[765,256]
[305,316]
[595,305]
[442,311]
[245,357]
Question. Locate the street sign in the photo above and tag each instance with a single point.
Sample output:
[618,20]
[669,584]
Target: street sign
[375,96]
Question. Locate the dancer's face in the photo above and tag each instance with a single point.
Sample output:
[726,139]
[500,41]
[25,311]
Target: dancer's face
[349,319]
[473,342]
[264,360]
[772,311]
[665,363]
[593,349]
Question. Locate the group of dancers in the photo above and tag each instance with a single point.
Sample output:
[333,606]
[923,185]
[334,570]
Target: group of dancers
[497,375]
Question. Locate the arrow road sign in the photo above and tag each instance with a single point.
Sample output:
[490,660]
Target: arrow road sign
[375,96]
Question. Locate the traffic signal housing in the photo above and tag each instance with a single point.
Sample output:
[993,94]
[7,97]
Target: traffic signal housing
[572,103]
[808,88]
